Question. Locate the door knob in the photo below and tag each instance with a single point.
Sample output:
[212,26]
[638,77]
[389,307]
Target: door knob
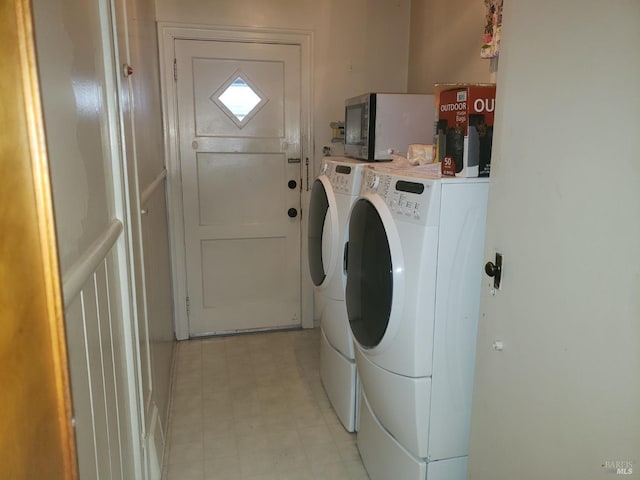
[292,212]
[292,184]
[491,269]
[494,270]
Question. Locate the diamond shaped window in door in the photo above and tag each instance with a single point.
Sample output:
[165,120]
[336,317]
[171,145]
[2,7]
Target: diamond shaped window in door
[239,98]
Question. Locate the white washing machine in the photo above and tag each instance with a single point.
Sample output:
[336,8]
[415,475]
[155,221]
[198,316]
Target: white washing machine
[332,196]
[414,267]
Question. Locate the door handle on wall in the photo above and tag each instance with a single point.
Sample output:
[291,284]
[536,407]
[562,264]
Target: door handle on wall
[345,257]
[306,164]
[495,270]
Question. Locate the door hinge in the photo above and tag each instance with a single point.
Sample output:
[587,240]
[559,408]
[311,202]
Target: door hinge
[188,307]
[175,70]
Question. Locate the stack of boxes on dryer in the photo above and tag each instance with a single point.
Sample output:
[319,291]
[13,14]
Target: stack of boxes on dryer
[464,128]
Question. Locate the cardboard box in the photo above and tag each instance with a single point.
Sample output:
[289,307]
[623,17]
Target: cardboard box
[464,128]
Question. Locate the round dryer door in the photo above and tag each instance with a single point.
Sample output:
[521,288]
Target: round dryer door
[369,290]
[321,230]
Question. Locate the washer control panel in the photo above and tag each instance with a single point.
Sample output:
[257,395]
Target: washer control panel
[345,179]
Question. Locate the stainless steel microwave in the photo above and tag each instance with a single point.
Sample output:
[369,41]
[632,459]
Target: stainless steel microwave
[378,125]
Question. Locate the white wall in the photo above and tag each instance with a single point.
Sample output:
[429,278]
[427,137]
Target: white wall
[145,144]
[72,74]
[446,36]
[100,168]
[145,89]
[359,45]
[77,99]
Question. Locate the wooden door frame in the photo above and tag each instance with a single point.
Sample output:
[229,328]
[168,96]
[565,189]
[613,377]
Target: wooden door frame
[36,398]
[168,33]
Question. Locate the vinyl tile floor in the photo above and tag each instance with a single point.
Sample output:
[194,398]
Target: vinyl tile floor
[253,407]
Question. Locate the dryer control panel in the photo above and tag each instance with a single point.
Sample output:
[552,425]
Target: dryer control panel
[408,199]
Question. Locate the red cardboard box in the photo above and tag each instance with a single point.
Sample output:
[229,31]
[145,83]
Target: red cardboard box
[464,128]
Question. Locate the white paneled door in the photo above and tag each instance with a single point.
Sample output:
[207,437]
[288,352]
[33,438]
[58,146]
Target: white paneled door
[239,141]
[557,383]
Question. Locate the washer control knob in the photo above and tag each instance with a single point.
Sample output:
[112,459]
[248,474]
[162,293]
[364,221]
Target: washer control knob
[373,182]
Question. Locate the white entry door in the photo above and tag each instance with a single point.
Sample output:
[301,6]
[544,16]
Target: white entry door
[239,122]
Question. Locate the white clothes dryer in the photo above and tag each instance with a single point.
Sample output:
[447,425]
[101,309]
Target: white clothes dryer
[332,196]
[414,267]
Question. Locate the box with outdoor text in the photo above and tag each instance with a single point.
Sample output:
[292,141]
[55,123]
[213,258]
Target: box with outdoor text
[464,128]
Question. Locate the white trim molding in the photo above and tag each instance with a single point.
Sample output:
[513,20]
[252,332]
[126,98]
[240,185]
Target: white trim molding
[168,33]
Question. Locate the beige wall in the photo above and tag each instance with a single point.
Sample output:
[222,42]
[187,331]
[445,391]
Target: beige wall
[359,45]
[446,36]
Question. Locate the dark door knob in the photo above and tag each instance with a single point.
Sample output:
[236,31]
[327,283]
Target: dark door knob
[491,269]
[292,184]
[292,212]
